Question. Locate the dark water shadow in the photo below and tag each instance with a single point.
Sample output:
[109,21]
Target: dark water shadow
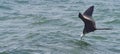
[80,43]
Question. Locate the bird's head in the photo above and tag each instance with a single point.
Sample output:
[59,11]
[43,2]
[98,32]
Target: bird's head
[82,35]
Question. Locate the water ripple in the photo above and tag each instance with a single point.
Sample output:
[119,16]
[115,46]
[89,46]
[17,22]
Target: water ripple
[53,27]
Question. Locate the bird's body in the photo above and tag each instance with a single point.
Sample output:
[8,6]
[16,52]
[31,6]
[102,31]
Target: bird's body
[89,26]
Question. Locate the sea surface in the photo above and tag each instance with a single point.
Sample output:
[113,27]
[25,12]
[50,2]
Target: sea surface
[53,27]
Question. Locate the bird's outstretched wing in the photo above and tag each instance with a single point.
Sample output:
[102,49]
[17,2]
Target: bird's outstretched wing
[87,15]
[89,12]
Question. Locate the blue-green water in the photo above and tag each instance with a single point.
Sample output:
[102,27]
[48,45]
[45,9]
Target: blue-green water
[53,27]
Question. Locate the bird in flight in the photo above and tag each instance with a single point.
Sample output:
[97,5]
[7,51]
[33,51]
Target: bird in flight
[89,22]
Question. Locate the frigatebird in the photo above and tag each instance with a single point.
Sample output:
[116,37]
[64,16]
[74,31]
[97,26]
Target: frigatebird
[89,22]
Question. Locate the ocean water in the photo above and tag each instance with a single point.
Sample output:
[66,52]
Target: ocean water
[53,27]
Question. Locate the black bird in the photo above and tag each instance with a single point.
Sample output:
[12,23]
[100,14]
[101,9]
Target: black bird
[89,22]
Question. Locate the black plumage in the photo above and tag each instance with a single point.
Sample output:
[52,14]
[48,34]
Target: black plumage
[89,21]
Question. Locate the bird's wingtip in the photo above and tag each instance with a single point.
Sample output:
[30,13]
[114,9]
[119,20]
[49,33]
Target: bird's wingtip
[80,15]
[89,11]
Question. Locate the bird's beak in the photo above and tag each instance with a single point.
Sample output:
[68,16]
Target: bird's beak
[82,35]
